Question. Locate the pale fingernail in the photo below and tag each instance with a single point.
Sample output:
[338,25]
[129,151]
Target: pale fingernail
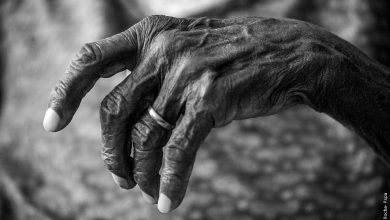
[148,198]
[120,181]
[164,203]
[51,121]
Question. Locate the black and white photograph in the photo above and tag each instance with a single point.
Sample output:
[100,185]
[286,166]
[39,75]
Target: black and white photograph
[194,110]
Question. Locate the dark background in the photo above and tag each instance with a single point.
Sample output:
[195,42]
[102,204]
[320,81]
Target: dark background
[299,164]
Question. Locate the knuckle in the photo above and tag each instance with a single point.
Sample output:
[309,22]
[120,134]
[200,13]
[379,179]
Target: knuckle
[59,92]
[110,161]
[141,136]
[113,106]
[209,113]
[147,134]
[201,100]
[156,24]
[200,106]
[152,23]
[178,155]
[89,54]
[152,19]
[138,135]
[203,87]
[164,41]
[204,112]
[173,177]
[145,159]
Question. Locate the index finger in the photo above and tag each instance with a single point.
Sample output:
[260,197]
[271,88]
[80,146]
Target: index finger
[99,59]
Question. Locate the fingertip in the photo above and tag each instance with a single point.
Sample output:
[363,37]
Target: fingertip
[121,182]
[148,198]
[164,203]
[51,121]
[127,73]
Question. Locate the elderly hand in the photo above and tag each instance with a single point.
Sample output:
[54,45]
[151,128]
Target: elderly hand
[208,70]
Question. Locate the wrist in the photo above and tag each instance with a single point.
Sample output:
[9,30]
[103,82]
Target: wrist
[358,96]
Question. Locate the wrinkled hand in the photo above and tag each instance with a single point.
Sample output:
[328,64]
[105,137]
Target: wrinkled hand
[210,71]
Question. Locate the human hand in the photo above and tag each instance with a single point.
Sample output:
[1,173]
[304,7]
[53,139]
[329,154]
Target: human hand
[211,71]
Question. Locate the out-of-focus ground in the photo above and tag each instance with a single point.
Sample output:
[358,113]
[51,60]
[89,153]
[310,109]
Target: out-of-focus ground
[295,165]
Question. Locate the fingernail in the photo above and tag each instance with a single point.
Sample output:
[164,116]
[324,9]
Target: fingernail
[120,181]
[148,198]
[164,203]
[51,120]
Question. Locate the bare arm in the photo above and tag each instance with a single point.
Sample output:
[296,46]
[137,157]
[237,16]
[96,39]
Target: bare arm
[358,96]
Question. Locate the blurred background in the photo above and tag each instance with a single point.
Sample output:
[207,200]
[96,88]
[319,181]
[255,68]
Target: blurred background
[299,164]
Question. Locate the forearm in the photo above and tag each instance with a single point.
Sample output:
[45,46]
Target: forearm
[359,97]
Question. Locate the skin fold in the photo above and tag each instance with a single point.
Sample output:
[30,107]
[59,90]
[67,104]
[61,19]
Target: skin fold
[201,73]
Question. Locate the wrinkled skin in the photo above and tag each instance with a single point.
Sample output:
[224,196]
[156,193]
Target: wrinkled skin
[213,72]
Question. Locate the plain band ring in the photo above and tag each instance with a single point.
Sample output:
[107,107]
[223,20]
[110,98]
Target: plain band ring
[159,119]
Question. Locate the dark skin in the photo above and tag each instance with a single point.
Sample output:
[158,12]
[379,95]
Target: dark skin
[212,72]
